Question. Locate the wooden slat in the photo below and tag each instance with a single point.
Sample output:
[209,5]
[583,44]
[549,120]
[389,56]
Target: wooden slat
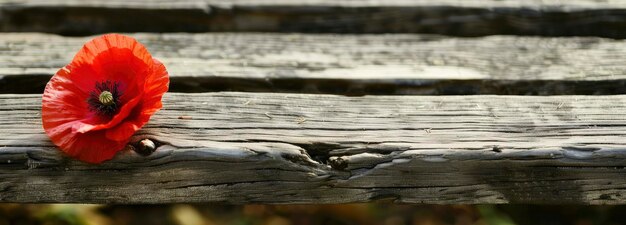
[346,64]
[450,17]
[298,148]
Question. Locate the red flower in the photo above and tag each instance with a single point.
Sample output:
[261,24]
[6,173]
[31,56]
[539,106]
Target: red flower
[92,106]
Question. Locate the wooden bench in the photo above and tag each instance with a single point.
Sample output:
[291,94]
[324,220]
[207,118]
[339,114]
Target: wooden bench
[337,118]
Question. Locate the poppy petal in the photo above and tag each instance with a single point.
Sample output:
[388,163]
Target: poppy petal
[122,132]
[63,103]
[80,129]
[90,148]
[86,126]
[94,48]
[154,89]
[156,85]
[110,57]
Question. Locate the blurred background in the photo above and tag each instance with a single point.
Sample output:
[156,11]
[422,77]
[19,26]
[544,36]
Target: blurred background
[365,214]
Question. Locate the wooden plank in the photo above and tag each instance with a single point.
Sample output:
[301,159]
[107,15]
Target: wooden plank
[298,148]
[542,4]
[450,17]
[346,64]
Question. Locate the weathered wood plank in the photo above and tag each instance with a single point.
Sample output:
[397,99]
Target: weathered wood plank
[297,148]
[450,17]
[347,64]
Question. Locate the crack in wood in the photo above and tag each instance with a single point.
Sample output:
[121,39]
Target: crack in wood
[319,151]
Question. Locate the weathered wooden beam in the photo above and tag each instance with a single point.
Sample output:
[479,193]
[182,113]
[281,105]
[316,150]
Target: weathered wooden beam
[298,148]
[346,64]
[450,17]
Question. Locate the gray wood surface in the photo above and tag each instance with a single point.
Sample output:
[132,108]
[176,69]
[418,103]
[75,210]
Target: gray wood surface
[452,17]
[346,64]
[299,148]
[541,4]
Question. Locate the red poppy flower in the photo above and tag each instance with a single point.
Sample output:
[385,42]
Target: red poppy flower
[92,106]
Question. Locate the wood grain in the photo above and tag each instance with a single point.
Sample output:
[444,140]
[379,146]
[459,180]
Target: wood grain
[346,64]
[450,17]
[299,148]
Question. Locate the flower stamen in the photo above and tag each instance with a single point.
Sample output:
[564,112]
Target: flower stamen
[105,99]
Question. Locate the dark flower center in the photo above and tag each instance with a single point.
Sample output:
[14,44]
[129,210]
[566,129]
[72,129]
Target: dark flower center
[105,99]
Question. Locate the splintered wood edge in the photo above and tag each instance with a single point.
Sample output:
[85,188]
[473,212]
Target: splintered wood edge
[276,148]
[346,64]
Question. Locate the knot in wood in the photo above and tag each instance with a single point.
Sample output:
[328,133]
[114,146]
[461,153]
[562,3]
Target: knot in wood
[145,147]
